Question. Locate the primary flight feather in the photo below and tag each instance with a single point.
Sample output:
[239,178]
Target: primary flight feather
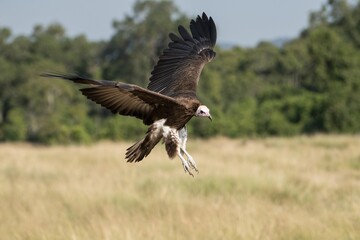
[170,100]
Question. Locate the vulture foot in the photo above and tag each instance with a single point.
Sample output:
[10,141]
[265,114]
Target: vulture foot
[186,165]
[189,163]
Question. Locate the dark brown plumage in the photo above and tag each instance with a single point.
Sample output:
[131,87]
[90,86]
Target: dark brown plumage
[179,67]
[170,100]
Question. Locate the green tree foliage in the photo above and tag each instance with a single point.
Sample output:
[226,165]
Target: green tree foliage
[138,41]
[309,85]
[38,109]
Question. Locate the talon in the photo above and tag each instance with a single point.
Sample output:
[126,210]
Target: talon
[194,167]
[190,173]
[187,169]
[187,165]
[192,164]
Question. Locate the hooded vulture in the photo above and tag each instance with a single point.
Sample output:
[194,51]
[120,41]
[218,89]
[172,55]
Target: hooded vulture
[170,100]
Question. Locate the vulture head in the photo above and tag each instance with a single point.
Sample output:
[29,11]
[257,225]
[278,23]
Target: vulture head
[203,111]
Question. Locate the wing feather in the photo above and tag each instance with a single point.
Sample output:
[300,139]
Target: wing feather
[125,99]
[184,33]
[180,65]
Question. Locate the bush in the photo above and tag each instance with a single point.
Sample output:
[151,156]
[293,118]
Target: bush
[15,127]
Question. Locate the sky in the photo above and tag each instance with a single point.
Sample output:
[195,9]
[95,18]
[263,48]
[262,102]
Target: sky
[241,22]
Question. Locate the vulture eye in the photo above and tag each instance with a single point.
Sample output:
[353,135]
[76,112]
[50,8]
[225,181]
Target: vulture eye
[202,112]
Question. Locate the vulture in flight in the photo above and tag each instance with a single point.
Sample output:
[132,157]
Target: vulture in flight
[170,100]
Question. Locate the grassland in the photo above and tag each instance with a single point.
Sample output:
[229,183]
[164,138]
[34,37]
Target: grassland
[275,188]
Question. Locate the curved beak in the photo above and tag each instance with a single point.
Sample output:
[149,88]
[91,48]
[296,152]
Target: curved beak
[210,117]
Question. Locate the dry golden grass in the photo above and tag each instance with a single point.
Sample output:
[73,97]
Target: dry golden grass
[275,188]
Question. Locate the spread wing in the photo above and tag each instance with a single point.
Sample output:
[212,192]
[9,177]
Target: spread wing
[122,98]
[179,67]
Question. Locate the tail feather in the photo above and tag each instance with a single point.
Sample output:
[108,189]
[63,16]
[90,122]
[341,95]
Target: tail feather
[142,148]
[136,152]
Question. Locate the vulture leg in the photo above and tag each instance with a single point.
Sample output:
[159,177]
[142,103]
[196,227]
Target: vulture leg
[183,139]
[190,160]
[185,164]
[173,147]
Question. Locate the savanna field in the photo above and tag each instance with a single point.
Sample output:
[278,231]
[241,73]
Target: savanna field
[273,188]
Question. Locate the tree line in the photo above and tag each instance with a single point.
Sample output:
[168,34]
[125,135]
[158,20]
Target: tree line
[309,85]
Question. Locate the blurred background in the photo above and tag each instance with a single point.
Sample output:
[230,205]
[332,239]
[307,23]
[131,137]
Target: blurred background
[283,68]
